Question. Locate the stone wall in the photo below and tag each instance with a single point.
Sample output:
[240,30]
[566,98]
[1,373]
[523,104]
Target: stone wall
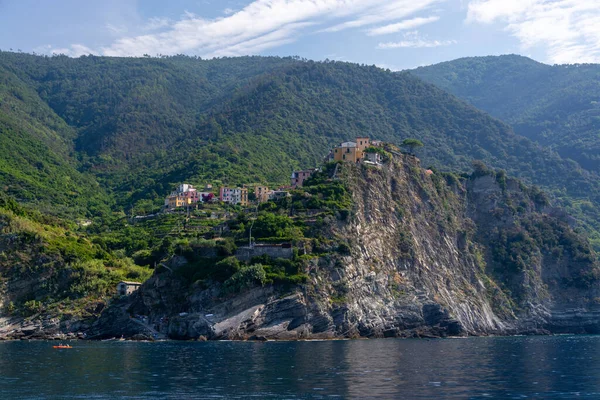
[274,251]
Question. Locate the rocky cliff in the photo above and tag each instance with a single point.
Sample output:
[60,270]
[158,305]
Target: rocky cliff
[421,254]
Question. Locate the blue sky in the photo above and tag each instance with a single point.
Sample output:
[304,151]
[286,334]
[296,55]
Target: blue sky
[395,34]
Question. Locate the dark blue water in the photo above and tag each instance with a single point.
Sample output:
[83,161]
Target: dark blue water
[561,367]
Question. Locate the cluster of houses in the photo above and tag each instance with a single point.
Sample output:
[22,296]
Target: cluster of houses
[186,195]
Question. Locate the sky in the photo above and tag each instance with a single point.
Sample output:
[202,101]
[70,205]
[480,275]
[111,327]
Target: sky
[394,34]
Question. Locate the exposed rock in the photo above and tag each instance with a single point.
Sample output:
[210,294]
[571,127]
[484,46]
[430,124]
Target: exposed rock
[421,264]
[424,261]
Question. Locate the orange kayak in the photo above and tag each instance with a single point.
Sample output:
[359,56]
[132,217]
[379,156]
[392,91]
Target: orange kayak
[62,346]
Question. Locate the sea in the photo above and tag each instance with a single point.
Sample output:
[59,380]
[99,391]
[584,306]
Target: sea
[542,367]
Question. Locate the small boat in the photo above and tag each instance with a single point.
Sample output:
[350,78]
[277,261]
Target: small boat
[62,346]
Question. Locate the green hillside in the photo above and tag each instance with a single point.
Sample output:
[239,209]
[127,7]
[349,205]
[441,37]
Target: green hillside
[37,164]
[138,126]
[557,106]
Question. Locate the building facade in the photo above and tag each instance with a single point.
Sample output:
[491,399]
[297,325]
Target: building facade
[183,196]
[373,157]
[347,152]
[298,177]
[351,151]
[125,288]
[279,194]
[234,195]
[262,193]
[362,143]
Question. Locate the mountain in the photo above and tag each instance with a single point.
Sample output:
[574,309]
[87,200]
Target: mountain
[37,164]
[92,140]
[139,126]
[557,106]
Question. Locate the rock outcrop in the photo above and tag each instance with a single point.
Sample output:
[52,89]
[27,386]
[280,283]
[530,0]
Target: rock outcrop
[424,255]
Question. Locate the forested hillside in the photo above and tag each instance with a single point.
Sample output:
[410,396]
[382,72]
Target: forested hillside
[88,144]
[138,126]
[557,106]
[37,165]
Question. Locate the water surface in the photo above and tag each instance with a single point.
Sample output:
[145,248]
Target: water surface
[559,367]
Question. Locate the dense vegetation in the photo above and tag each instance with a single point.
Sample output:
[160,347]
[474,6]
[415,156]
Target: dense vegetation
[139,126]
[47,264]
[557,106]
[37,165]
[93,140]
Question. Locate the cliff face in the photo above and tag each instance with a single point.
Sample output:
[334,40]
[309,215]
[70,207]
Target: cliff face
[421,255]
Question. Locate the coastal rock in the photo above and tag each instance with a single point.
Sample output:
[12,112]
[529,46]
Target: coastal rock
[423,256]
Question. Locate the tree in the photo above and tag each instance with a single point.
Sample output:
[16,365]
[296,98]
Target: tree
[412,145]
[479,168]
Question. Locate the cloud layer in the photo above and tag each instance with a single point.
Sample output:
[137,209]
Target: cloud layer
[401,26]
[569,30]
[415,41]
[261,25]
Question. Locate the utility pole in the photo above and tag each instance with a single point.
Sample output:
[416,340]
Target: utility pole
[251,225]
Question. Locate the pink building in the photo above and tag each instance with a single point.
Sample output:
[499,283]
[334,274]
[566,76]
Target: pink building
[298,177]
[192,196]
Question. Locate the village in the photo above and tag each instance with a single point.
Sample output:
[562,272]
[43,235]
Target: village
[188,196]
[212,205]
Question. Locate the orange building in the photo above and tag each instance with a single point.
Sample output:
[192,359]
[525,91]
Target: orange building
[262,193]
[362,143]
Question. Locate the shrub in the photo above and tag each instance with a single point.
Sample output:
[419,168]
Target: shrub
[32,307]
[226,247]
[344,214]
[273,225]
[245,278]
[143,257]
[226,268]
[343,248]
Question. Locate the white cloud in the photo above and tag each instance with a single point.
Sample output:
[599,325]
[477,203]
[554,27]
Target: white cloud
[156,23]
[116,30]
[415,41]
[388,11]
[401,26]
[569,30]
[261,25]
[489,10]
[76,50]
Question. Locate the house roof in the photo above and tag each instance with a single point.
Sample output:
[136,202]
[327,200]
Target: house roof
[131,283]
[348,144]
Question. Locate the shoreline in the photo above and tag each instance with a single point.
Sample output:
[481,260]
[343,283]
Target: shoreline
[264,339]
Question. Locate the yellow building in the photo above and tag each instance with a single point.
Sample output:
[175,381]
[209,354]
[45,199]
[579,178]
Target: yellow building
[348,152]
[244,197]
[174,201]
[351,151]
